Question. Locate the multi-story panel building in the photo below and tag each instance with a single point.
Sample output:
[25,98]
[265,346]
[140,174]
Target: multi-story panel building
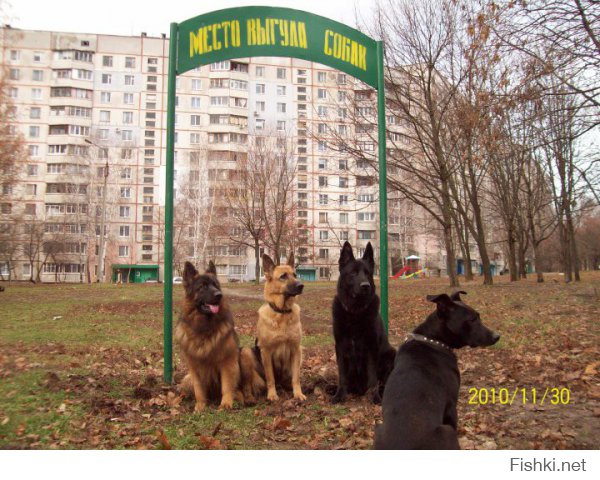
[92,109]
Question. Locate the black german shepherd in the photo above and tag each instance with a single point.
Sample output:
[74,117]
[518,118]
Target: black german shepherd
[419,402]
[364,356]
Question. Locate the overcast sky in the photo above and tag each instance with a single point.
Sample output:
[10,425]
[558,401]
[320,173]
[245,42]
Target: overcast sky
[131,17]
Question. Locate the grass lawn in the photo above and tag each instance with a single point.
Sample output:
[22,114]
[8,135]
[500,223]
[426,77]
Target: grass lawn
[81,367]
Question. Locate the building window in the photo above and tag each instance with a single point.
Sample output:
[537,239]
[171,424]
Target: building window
[106,79]
[322,111]
[37,75]
[323,217]
[124,231]
[321,77]
[281,107]
[125,192]
[323,199]
[260,71]
[34,150]
[124,211]
[365,216]
[126,135]
[322,163]
[366,234]
[129,62]
[280,89]
[35,112]
[260,88]
[195,102]
[195,120]
[32,170]
[107,61]
[341,78]
[281,73]
[36,93]
[104,116]
[344,218]
[260,106]
[127,117]
[129,80]
[104,97]
[323,235]
[196,84]
[321,93]
[343,182]
[34,131]
[123,250]
[281,125]
[323,253]
[14,74]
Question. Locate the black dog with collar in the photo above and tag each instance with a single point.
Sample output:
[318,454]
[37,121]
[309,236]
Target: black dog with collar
[419,402]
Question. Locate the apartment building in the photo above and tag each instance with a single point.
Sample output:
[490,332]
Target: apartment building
[92,109]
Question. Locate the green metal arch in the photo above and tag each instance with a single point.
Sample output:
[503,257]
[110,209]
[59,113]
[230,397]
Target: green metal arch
[275,32]
[319,40]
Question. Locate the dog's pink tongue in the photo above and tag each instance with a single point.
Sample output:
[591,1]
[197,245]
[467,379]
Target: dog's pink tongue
[214,308]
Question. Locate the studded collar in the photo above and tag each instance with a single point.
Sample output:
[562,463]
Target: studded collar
[427,341]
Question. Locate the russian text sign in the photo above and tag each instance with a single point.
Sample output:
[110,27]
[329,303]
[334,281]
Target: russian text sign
[275,32]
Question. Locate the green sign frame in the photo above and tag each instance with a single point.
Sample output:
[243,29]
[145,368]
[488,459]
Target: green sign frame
[245,32]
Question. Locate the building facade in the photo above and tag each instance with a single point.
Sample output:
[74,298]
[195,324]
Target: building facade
[92,109]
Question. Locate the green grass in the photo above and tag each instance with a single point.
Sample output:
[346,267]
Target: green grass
[26,403]
[113,334]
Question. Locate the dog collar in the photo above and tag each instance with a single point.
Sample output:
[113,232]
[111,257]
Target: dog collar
[424,339]
[280,310]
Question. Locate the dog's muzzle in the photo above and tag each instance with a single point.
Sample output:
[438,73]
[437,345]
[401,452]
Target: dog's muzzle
[295,289]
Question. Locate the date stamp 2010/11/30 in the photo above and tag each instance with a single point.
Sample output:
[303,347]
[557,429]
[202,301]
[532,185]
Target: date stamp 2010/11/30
[519,395]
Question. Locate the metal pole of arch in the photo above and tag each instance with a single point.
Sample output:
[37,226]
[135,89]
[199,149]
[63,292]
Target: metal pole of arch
[168,256]
[383,217]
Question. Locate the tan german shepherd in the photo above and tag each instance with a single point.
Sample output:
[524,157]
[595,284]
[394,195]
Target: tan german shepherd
[209,344]
[279,330]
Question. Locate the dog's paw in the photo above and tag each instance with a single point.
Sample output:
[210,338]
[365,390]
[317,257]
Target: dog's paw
[299,396]
[272,396]
[200,406]
[226,405]
[338,398]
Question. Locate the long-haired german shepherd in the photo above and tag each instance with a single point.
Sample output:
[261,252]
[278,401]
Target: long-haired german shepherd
[279,330]
[209,344]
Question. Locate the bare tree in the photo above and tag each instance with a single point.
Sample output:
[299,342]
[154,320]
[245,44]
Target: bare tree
[276,165]
[563,38]
[245,200]
[13,151]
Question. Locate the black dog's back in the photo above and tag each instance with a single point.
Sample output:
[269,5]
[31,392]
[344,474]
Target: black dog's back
[419,402]
[364,356]
[419,407]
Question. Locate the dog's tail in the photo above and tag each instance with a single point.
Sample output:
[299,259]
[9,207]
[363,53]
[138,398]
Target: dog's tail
[252,374]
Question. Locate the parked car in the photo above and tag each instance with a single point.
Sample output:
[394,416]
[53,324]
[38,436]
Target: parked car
[177,280]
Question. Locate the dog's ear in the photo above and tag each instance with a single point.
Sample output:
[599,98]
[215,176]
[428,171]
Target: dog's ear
[368,257]
[211,268]
[455,297]
[189,273]
[290,261]
[268,266]
[442,300]
[346,255]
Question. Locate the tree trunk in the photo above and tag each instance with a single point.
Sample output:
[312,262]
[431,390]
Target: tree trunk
[537,263]
[488,279]
[522,260]
[450,256]
[573,244]
[257,261]
[512,256]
